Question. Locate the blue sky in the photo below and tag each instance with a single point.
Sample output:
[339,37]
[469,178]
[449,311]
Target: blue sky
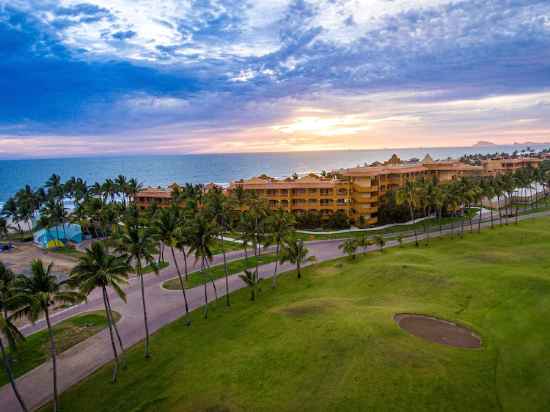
[142,76]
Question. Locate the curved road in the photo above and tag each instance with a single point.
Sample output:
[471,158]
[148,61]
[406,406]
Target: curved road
[163,307]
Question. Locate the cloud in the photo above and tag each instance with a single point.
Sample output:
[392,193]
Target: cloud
[114,67]
[123,35]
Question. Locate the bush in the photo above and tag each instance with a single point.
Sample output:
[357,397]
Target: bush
[308,220]
[390,212]
[337,221]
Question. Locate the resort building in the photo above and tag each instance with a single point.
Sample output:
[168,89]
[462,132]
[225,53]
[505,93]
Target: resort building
[494,167]
[355,191]
[309,193]
[161,196]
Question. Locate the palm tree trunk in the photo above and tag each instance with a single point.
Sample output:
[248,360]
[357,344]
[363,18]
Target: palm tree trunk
[479,219]
[499,210]
[412,218]
[54,360]
[181,281]
[226,273]
[205,291]
[274,283]
[110,324]
[185,268]
[146,323]
[9,373]
[298,270]
[115,327]
[492,225]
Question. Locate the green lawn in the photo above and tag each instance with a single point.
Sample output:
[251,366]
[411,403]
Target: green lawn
[328,342]
[35,350]
[160,266]
[216,246]
[215,272]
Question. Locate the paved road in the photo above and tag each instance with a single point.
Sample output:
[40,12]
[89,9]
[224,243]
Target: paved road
[164,307]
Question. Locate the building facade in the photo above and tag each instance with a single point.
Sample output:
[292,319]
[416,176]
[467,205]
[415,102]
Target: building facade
[355,191]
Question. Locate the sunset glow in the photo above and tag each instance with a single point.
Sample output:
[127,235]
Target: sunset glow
[141,76]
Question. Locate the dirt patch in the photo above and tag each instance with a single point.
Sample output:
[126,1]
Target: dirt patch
[438,330]
[20,259]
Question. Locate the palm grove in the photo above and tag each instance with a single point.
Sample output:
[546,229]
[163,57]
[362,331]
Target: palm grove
[195,227]
[127,241]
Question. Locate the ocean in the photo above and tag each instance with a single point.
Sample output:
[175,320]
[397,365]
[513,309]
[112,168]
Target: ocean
[157,170]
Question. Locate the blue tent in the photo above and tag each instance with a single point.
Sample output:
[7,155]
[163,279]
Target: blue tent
[58,235]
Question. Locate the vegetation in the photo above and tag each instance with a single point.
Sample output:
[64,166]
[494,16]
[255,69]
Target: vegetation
[334,333]
[34,350]
[215,272]
[195,225]
[98,269]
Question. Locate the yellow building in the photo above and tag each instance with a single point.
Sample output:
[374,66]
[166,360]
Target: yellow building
[305,194]
[355,191]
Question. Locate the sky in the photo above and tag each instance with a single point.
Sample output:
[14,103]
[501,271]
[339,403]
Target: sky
[86,77]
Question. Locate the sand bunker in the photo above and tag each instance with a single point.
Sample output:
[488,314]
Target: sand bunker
[438,330]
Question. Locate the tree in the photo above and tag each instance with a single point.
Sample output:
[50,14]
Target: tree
[488,192]
[252,280]
[408,195]
[139,245]
[220,208]
[36,295]
[363,242]
[202,232]
[98,269]
[349,247]
[10,211]
[165,227]
[280,226]
[380,241]
[294,251]
[8,328]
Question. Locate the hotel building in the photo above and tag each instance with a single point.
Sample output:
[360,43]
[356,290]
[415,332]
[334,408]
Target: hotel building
[355,191]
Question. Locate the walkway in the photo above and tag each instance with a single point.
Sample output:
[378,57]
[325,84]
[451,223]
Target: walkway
[164,307]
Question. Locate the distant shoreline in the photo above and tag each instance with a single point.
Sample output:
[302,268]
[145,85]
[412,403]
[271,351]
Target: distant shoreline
[485,144]
[163,170]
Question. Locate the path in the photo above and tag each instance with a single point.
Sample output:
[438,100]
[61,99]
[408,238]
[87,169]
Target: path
[164,307]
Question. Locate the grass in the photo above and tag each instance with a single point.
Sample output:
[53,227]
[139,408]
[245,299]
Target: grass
[390,230]
[160,266]
[216,246]
[35,350]
[215,272]
[329,342]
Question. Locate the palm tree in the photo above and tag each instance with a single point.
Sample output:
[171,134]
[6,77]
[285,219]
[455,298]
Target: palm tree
[488,192]
[37,294]
[139,245]
[408,195]
[10,211]
[220,208]
[121,184]
[349,247]
[55,188]
[294,251]
[202,232]
[363,242]
[98,269]
[280,225]
[165,227]
[133,188]
[8,328]
[380,241]
[252,280]
[509,185]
